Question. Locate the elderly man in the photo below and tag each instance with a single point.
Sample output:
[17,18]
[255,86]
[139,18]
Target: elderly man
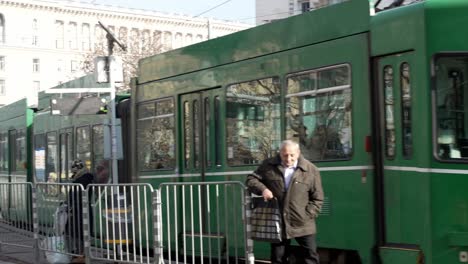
[296,183]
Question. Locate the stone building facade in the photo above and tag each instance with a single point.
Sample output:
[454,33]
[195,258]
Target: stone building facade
[44,43]
[267,11]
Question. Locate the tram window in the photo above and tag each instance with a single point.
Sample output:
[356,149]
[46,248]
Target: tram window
[196,134]
[3,152]
[83,145]
[12,134]
[390,136]
[40,158]
[250,121]
[66,155]
[451,92]
[207,131]
[319,112]
[218,128]
[100,165]
[21,151]
[187,135]
[407,134]
[51,157]
[155,135]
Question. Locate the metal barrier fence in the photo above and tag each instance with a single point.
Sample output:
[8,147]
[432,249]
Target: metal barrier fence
[205,222]
[16,215]
[129,223]
[60,217]
[122,222]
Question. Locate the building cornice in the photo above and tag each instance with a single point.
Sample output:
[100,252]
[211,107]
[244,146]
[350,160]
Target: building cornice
[104,12]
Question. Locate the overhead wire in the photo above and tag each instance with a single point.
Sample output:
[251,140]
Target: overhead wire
[206,11]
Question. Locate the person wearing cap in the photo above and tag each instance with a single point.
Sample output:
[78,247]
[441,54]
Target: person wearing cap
[74,228]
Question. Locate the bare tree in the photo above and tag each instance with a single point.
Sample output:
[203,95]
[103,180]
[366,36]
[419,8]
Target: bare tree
[140,44]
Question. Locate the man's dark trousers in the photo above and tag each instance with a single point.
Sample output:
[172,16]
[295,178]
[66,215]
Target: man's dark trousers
[280,251]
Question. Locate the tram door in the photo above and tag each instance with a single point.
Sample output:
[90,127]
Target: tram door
[65,154]
[202,136]
[396,105]
[12,134]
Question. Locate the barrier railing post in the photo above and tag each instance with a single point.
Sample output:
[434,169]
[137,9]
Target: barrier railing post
[157,232]
[86,226]
[35,219]
[249,255]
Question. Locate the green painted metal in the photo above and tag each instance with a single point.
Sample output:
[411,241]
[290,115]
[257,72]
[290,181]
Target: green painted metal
[458,239]
[18,117]
[320,25]
[393,255]
[397,30]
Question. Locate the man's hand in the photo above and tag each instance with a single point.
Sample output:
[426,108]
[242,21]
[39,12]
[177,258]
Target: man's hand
[267,194]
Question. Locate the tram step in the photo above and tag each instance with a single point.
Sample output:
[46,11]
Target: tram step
[401,253]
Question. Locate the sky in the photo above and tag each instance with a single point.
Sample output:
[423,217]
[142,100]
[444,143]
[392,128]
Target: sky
[237,10]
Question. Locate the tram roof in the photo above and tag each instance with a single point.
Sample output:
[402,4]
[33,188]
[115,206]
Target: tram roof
[13,110]
[335,21]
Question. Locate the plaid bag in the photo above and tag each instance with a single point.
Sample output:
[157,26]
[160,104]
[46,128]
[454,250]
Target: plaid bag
[266,220]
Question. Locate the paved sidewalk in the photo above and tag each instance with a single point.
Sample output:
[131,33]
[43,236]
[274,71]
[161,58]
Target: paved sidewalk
[22,254]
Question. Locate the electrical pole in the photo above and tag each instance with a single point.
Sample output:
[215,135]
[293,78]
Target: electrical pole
[109,66]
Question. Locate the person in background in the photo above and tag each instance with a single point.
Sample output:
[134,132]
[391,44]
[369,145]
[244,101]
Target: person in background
[102,172]
[74,228]
[296,183]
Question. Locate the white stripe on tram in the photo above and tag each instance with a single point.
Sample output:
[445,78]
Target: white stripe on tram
[425,170]
[343,168]
[346,168]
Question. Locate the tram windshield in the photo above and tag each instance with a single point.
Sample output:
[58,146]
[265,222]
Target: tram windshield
[451,97]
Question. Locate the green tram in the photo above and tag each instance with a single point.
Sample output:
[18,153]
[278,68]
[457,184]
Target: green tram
[15,160]
[59,139]
[37,146]
[15,126]
[375,93]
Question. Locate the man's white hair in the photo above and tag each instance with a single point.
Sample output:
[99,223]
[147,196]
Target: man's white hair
[289,142]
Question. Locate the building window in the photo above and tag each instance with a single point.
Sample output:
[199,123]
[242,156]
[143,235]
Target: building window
[2,63]
[123,34]
[2,28]
[305,7]
[59,65]
[72,35]
[167,41]
[36,86]
[36,65]
[86,37]
[145,41]
[188,39]
[2,87]
[35,37]
[99,37]
[157,39]
[178,40]
[135,40]
[59,34]
[73,66]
